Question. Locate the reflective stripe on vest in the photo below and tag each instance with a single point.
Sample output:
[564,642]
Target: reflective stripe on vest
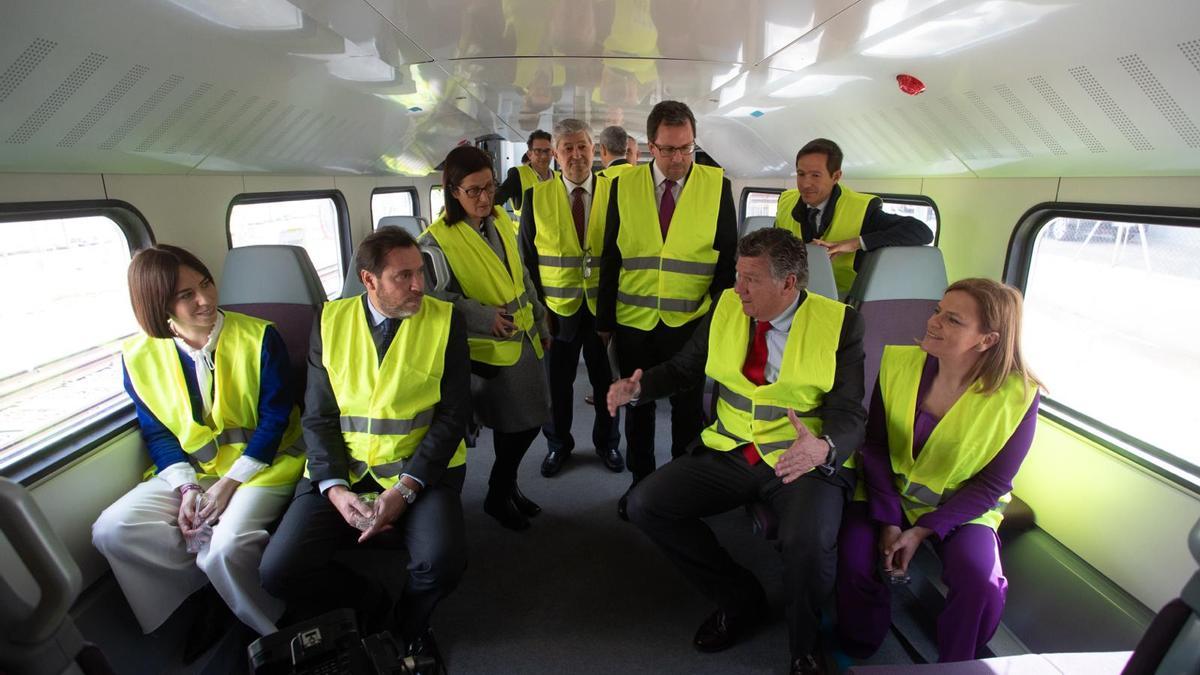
[484,278]
[157,376]
[666,281]
[969,436]
[561,258]
[849,211]
[385,407]
[748,413]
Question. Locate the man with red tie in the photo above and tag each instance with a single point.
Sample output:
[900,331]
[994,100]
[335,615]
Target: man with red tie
[669,249]
[562,234]
[788,368]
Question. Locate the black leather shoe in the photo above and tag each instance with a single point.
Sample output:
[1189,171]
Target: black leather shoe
[720,631]
[426,658]
[525,505]
[554,462]
[507,513]
[612,459]
[807,665]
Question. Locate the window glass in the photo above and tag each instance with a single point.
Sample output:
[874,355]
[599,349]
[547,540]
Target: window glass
[310,223]
[64,315]
[1112,310]
[922,212]
[391,203]
[760,204]
[437,201]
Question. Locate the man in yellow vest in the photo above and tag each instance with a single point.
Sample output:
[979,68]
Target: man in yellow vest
[788,368]
[562,234]
[841,220]
[521,178]
[614,151]
[386,408]
[669,245]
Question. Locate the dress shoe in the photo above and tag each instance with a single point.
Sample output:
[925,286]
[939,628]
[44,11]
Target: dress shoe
[554,462]
[612,459]
[525,505]
[807,665]
[505,511]
[426,658]
[720,631]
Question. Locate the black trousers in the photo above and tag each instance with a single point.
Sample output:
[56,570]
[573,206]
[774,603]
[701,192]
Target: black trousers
[646,349]
[562,365]
[669,504]
[298,564]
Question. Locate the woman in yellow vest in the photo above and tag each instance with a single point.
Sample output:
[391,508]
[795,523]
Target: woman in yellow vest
[477,266]
[950,422]
[212,398]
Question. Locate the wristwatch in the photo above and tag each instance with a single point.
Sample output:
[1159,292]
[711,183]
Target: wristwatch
[409,494]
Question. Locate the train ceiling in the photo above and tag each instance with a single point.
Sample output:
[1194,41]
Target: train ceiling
[1014,87]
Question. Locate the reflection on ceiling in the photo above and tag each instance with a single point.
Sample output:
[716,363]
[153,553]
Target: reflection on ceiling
[1015,87]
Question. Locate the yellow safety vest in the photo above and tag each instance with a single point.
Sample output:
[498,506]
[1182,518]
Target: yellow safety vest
[157,377]
[484,278]
[848,214]
[750,413]
[970,435]
[529,178]
[569,271]
[385,407]
[669,280]
[614,170]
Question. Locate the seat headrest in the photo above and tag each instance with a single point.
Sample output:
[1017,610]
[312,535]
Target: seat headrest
[900,273]
[414,225]
[270,274]
[820,273]
[752,223]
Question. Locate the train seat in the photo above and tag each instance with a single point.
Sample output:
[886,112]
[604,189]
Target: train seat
[414,225]
[896,291]
[752,223]
[277,283]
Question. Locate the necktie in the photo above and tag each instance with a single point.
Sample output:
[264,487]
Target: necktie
[577,213]
[386,334]
[666,208]
[755,369]
[814,221]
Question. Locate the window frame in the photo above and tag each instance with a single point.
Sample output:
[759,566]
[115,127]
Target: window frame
[65,446]
[339,206]
[411,190]
[1017,263]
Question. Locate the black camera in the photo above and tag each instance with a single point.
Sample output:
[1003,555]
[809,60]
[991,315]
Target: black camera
[330,645]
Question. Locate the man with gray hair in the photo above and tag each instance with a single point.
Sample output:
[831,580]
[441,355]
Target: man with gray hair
[788,367]
[562,234]
[614,146]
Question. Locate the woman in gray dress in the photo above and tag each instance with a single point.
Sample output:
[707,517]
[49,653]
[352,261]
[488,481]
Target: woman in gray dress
[475,264]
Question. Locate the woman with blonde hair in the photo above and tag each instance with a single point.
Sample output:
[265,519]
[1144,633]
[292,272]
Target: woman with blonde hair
[951,419]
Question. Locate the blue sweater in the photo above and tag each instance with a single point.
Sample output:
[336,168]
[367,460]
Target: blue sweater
[274,407]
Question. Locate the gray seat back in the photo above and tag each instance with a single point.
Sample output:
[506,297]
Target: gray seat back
[752,223]
[414,225]
[820,273]
[896,291]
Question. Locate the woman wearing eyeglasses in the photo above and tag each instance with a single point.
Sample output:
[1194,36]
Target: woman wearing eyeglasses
[477,266]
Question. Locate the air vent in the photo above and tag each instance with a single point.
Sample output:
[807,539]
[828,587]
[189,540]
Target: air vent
[20,69]
[1190,49]
[56,100]
[965,121]
[207,146]
[1162,99]
[998,124]
[1029,119]
[213,110]
[1064,111]
[173,119]
[944,130]
[102,106]
[1110,108]
[140,114]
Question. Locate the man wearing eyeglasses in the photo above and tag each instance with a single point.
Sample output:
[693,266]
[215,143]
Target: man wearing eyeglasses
[562,233]
[523,177]
[669,248]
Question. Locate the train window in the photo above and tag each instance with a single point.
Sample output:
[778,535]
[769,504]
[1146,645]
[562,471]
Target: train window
[763,202]
[65,315]
[393,202]
[315,221]
[437,201]
[1112,305]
